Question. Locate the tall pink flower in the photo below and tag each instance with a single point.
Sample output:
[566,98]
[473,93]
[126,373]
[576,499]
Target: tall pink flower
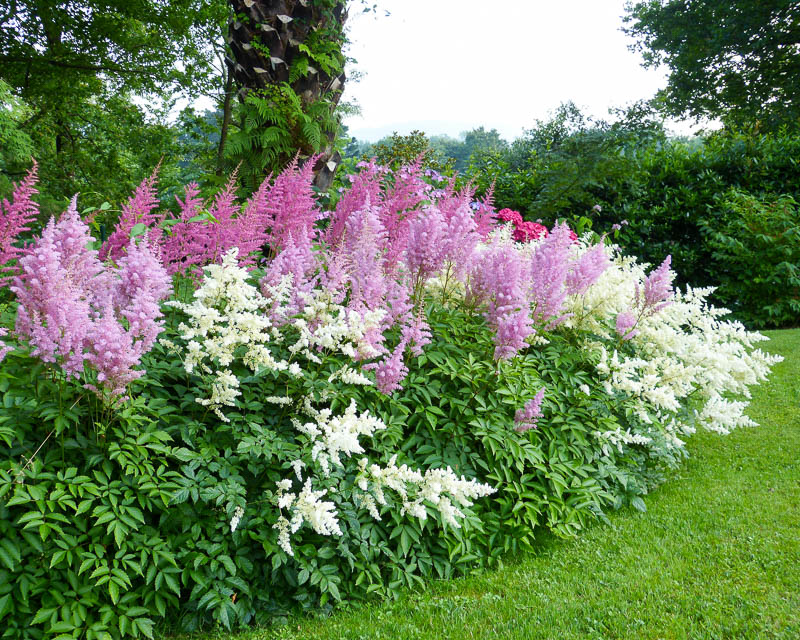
[16,217]
[657,291]
[497,279]
[290,207]
[138,210]
[585,271]
[548,270]
[53,313]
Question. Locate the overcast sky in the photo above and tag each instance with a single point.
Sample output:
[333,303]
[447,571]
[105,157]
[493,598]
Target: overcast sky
[447,66]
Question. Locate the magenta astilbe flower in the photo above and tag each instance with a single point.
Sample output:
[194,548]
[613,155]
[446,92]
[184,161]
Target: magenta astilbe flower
[586,270]
[400,205]
[71,238]
[485,215]
[290,206]
[53,313]
[527,231]
[185,245]
[138,210]
[417,333]
[143,284]
[526,418]
[548,270]
[626,321]
[365,188]
[657,291]
[461,238]
[509,215]
[296,260]
[113,355]
[363,251]
[16,216]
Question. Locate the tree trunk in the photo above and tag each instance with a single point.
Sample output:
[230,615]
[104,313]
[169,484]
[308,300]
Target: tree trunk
[227,109]
[266,36]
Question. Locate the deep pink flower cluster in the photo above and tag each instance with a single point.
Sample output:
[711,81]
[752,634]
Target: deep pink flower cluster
[138,210]
[509,215]
[524,230]
[527,231]
[526,418]
[74,310]
[16,216]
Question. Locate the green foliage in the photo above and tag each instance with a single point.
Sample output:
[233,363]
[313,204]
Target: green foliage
[555,477]
[756,247]
[692,567]
[274,125]
[731,60]
[400,150]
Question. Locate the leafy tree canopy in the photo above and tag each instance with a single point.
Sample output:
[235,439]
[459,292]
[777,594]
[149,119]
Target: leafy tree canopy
[737,60]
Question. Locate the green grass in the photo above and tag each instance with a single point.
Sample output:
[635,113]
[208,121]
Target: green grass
[717,555]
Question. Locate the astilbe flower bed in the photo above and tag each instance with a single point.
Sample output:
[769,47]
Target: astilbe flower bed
[322,406]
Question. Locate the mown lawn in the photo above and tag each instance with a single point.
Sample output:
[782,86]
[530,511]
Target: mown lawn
[717,555]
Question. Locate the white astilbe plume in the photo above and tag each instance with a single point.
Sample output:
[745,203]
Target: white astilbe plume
[227,313]
[333,436]
[440,489]
[304,507]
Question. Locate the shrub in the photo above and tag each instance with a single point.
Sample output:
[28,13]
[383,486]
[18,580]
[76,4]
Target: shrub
[756,252]
[399,393]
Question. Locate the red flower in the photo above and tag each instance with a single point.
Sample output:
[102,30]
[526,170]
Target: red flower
[527,231]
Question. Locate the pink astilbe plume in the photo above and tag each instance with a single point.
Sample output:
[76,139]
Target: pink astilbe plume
[290,207]
[73,310]
[390,371]
[485,214]
[143,283]
[497,280]
[16,216]
[548,271]
[625,325]
[296,260]
[138,210]
[53,313]
[526,418]
[71,237]
[586,270]
[427,246]
[365,188]
[112,355]
[362,249]
[185,245]
[401,203]
[657,291]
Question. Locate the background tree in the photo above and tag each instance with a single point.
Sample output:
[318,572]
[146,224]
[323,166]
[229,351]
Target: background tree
[76,67]
[737,60]
[287,58]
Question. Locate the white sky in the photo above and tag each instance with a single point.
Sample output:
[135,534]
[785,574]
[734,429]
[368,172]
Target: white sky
[447,66]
